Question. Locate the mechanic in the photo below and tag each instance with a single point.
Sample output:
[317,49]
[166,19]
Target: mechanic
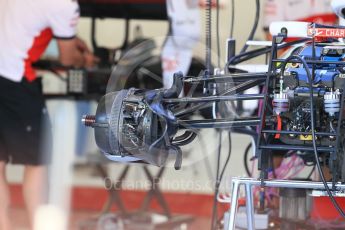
[26,28]
[318,11]
[177,52]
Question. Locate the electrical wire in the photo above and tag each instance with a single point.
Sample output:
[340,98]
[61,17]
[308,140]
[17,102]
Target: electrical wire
[255,26]
[219,177]
[228,157]
[216,187]
[283,172]
[318,165]
[272,169]
[245,159]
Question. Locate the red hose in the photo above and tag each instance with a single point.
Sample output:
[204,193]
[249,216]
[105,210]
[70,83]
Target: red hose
[279,127]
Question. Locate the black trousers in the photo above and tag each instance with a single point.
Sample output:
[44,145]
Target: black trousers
[25,130]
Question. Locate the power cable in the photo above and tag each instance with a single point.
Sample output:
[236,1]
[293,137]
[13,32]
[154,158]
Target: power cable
[245,159]
[216,187]
[255,26]
[228,157]
[219,178]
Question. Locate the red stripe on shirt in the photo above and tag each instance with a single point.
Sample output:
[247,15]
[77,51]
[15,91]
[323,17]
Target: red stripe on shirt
[39,46]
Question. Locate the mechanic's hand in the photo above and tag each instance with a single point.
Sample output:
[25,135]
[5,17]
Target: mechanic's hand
[81,46]
[90,60]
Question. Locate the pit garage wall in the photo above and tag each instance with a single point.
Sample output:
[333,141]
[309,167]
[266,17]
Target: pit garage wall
[197,173]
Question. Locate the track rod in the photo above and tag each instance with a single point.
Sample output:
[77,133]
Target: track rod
[217,123]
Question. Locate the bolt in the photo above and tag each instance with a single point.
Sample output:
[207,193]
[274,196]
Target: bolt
[88,120]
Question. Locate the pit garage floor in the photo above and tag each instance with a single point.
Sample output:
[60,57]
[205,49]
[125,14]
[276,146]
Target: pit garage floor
[78,217]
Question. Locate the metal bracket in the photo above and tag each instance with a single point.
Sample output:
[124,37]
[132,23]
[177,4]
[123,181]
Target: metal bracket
[248,183]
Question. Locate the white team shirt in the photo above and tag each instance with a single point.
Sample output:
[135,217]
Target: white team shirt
[185,32]
[318,11]
[26,28]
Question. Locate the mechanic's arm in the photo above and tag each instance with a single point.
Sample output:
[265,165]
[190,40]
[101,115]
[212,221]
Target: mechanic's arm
[74,52]
[63,18]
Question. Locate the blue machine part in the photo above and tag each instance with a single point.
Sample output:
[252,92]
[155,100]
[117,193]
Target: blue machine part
[321,76]
[325,73]
[307,51]
[305,90]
